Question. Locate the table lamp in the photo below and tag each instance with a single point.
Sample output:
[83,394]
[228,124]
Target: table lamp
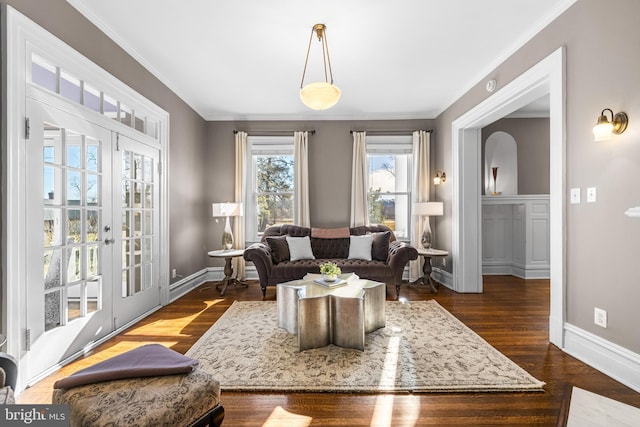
[226,210]
[428,209]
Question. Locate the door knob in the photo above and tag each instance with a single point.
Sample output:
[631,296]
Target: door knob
[109,241]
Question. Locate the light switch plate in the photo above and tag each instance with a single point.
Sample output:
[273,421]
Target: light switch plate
[591,195]
[575,196]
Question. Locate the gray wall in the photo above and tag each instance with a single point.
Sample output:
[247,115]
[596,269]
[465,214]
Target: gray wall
[602,243]
[187,129]
[330,154]
[532,140]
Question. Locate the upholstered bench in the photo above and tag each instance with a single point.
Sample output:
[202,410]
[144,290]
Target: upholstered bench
[191,399]
[150,385]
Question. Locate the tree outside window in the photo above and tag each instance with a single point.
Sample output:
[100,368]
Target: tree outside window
[274,190]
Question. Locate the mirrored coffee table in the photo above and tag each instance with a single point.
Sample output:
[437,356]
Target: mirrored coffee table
[321,315]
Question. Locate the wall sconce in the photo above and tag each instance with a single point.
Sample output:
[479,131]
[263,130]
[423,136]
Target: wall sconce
[604,128]
[440,178]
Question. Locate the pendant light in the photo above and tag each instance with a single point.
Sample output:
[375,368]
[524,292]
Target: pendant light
[319,95]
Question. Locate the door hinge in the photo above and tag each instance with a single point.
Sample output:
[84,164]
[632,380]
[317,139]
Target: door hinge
[27,340]
[159,168]
[117,141]
[27,128]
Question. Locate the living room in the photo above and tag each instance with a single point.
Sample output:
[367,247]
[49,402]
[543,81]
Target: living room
[598,72]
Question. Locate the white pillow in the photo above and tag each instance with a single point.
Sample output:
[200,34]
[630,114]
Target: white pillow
[360,247]
[300,248]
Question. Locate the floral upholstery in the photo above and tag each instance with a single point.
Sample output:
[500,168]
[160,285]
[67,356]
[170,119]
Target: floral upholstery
[170,400]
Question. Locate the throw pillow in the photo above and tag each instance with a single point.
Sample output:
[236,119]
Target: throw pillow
[380,246]
[360,247]
[279,248]
[300,248]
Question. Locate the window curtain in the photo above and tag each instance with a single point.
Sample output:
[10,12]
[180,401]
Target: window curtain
[420,193]
[301,178]
[239,195]
[359,209]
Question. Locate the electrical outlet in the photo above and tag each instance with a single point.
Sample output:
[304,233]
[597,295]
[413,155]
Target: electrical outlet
[600,317]
[174,273]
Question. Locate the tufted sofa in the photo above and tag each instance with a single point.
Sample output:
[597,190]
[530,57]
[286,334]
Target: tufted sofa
[389,256]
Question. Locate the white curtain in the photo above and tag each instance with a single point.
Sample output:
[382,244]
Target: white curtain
[240,192]
[301,178]
[359,209]
[421,186]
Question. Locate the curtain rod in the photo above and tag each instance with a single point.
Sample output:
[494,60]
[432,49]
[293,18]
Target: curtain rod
[390,131]
[275,132]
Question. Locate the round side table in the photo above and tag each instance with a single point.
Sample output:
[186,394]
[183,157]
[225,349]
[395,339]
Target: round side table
[427,254]
[228,255]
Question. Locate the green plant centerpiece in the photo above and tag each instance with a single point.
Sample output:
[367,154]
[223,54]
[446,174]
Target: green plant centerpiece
[329,271]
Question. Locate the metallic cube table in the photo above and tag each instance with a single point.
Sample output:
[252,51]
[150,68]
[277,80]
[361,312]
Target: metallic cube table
[340,315]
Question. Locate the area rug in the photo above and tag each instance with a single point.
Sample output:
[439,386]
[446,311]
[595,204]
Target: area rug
[422,348]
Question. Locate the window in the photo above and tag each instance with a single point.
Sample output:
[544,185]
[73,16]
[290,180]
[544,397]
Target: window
[389,181]
[56,79]
[270,184]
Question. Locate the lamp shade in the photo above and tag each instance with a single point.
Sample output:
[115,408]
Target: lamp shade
[320,95]
[226,209]
[602,131]
[429,208]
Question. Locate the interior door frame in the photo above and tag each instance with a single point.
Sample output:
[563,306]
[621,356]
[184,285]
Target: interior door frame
[19,37]
[545,77]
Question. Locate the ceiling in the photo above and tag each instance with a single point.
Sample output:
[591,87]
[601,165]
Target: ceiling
[243,59]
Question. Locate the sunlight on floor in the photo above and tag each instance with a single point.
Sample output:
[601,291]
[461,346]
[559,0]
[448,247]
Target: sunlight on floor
[281,417]
[177,324]
[383,411]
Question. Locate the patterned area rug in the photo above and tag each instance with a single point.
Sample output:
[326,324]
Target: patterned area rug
[422,348]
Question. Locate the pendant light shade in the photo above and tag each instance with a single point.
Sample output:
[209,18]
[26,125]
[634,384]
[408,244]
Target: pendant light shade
[320,95]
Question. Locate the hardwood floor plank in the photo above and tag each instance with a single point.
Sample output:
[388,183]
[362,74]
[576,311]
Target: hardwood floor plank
[512,315]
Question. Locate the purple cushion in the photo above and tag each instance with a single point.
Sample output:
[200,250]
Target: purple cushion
[149,360]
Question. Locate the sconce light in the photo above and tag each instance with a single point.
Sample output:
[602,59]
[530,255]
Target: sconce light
[440,178]
[604,128]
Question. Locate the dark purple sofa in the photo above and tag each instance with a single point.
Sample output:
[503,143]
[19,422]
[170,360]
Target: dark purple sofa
[387,264]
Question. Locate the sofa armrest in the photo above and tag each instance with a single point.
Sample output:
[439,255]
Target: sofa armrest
[260,255]
[400,253]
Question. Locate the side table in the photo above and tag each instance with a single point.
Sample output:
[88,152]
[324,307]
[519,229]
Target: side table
[427,254]
[228,255]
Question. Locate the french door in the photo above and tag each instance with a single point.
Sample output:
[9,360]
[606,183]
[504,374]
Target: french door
[136,209]
[92,244]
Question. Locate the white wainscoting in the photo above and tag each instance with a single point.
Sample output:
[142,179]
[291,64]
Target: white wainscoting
[515,236]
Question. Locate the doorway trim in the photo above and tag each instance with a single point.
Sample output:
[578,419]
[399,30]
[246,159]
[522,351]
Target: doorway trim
[546,77]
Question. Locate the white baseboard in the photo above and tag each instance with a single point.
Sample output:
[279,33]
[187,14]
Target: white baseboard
[443,277]
[611,359]
[189,283]
[529,272]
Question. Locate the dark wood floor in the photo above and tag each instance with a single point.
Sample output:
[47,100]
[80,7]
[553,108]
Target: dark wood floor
[511,314]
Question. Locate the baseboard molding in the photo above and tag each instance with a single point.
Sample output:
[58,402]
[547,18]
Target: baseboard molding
[611,359]
[189,283]
[529,272]
[443,277]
